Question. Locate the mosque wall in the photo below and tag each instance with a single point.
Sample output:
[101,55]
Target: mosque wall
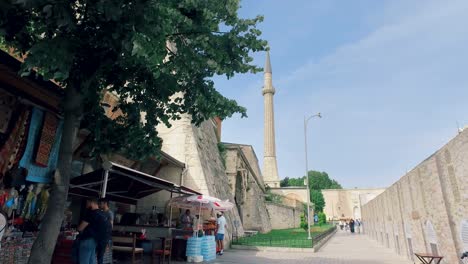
[347,203]
[197,147]
[427,209]
[247,187]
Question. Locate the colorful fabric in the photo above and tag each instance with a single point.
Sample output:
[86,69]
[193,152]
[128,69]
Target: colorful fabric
[12,147]
[38,173]
[49,128]
[29,205]
[23,193]
[7,103]
[3,198]
[42,204]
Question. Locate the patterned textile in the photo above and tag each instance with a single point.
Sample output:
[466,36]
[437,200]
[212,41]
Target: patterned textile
[29,205]
[12,148]
[37,173]
[49,128]
[42,204]
[7,105]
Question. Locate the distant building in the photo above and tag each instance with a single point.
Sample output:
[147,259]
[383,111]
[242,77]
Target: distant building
[347,203]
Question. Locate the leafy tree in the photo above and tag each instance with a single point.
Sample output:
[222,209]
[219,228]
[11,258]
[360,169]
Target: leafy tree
[144,51]
[317,181]
[284,182]
[316,197]
[290,182]
[321,180]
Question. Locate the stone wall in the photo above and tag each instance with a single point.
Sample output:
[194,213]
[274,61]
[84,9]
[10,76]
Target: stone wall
[427,209]
[347,203]
[205,172]
[247,188]
[283,217]
[297,193]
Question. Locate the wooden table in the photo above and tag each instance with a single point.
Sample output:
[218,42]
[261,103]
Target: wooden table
[427,258]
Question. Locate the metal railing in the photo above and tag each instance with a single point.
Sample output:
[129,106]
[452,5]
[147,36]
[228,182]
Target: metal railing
[274,241]
[322,235]
[282,241]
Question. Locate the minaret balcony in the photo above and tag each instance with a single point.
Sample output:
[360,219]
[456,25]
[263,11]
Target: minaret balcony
[271,90]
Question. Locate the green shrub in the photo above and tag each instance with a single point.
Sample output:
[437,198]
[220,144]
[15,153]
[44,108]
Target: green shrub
[322,218]
[304,221]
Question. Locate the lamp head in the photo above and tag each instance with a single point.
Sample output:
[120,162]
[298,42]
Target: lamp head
[319,115]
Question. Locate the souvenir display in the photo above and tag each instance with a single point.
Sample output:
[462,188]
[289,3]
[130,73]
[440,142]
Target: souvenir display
[7,103]
[29,145]
[11,150]
[41,173]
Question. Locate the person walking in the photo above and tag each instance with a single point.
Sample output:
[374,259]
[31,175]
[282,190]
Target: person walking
[341,224]
[220,231]
[93,231]
[351,225]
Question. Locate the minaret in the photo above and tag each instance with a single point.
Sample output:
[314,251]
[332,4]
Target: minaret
[270,167]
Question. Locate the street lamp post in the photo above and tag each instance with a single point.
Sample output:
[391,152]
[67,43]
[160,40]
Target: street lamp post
[306,120]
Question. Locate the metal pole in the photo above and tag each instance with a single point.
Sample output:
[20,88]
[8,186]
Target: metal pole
[307,178]
[104,187]
[170,214]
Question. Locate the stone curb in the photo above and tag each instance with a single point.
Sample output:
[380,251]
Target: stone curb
[322,242]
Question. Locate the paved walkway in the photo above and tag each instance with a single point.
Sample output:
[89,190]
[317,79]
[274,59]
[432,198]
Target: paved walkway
[343,248]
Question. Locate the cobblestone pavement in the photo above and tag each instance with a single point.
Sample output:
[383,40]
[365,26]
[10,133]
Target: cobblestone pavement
[343,248]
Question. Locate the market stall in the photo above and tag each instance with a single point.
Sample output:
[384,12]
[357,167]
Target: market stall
[30,134]
[200,245]
[125,187]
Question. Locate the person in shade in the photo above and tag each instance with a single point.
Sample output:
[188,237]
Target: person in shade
[186,220]
[101,247]
[220,231]
[104,206]
[94,231]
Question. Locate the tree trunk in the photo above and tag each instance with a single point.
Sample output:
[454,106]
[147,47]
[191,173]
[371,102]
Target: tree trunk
[44,245]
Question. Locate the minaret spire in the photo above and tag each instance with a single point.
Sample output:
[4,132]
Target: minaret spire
[270,167]
[267,63]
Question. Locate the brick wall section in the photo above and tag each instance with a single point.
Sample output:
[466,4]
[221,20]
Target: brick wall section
[425,209]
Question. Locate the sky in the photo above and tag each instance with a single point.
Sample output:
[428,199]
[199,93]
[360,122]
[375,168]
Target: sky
[389,77]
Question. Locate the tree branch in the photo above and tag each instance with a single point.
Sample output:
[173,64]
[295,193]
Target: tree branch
[196,32]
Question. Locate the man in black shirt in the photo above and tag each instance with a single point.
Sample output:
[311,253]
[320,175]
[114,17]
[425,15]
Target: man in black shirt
[94,231]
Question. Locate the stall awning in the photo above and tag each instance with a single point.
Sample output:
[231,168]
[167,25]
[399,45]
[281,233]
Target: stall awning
[124,184]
